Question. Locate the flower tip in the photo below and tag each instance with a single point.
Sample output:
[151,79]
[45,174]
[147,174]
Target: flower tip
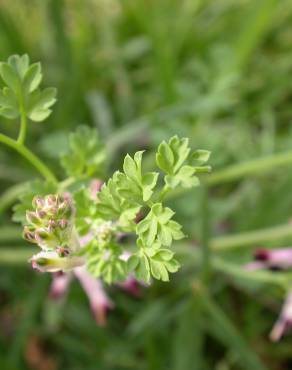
[277,332]
[132,287]
[100,313]
[38,202]
[59,286]
[261,254]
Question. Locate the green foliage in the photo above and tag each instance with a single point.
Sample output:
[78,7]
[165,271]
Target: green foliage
[134,185]
[22,95]
[158,227]
[171,158]
[120,200]
[106,262]
[84,210]
[86,154]
[112,206]
[152,261]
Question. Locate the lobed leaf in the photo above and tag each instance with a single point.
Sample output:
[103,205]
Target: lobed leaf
[86,154]
[22,82]
[158,227]
[171,158]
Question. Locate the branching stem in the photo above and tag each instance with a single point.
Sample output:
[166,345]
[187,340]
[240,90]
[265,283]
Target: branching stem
[23,124]
[30,156]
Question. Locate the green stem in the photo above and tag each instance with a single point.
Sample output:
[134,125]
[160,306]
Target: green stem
[237,171]
[205,236]
[16,255]
[9,196]
[22,132]
[32,158]
[10,234]
[163,193]
[276,233]
[248,168]
[283,279]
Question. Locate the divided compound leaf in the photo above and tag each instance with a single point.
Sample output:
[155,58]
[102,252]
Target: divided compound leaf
[171,158]
[158,227]
[22,95]
[134,184]
[157,263]
[112,206]
[86,154]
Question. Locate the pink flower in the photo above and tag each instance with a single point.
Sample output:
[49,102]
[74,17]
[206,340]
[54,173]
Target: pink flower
[99,301]
[276,259]
[131,286]
[271,258]
[284,322]
[60,285]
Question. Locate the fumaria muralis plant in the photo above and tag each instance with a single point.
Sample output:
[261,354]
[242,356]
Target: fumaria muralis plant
[81,220]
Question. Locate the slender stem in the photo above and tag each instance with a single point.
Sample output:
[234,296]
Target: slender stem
[283,279]
[237,171]
[9,196]
[22,132]
[64,184]
[252,238]
[16,255]
[206,252]
[32,158]
[248,168]
[163,193]
[10,234]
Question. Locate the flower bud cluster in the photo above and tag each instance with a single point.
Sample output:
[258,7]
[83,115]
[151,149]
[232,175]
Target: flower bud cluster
[103,233]
[50,224]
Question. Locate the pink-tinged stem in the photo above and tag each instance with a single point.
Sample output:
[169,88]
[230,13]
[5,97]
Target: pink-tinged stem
[284,322]
[99,301]
[60,285]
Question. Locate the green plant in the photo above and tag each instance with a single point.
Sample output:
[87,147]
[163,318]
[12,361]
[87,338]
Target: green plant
[74,225]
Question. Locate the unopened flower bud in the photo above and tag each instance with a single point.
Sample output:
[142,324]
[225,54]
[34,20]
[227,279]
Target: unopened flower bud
[41,214]
[63,223]
[63,251]
[32,217]
[29,235]
[54,211]
[38,202]
[51,200]
[50,261]
[50,225]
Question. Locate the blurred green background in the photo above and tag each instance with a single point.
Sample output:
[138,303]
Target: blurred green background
[216,71]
